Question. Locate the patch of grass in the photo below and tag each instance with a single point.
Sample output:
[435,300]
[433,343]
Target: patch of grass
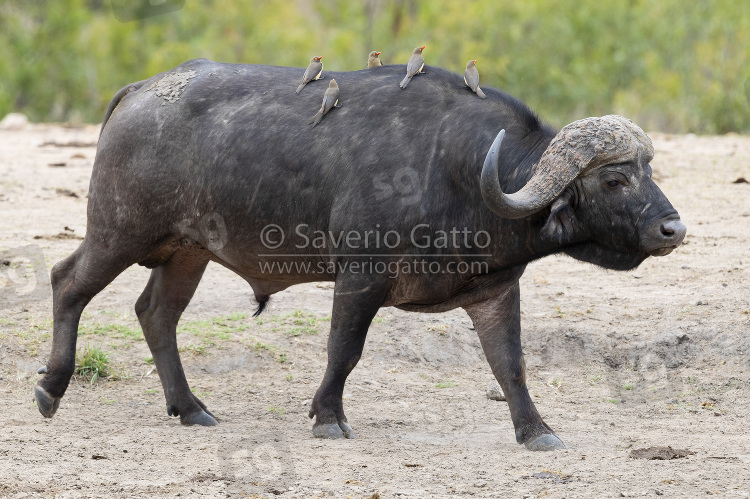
[148,360]
[560,313]
[296,323]
[446,384]
[277,410]
[628,386]
[151,391]
[237,316]
[216,327]
[44,324]
[92,364]
[296,331]
[265,346]
[289,377]
[194,349]
[613,401]
[24,335]
[380,320]
[111,330]
[556,382]
[272,349]
[38,332]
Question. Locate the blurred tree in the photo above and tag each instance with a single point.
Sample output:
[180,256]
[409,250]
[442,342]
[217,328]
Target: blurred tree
[666,64]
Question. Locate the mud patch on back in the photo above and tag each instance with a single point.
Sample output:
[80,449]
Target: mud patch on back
[171,86]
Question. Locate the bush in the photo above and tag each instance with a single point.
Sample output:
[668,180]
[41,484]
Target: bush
[667,65]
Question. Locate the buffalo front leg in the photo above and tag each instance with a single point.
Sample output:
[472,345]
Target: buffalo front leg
[356,300]
[168,292]
[498,325]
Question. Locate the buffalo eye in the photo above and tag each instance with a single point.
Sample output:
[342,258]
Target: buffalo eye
[613,183]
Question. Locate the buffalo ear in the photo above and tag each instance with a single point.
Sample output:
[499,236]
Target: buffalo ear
[561,221]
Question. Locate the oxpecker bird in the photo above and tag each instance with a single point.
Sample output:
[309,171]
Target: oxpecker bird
[374,61]
[330,100]
[313,72]
[471,78]
[414,67]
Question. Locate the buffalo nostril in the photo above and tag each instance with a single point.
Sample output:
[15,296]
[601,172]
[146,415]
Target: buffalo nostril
[667,231]
[673,230]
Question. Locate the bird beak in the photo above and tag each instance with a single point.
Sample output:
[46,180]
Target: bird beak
[423,47]
[476,61]
[377,53]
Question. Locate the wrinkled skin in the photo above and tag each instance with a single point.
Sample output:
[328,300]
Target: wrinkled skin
[178,183]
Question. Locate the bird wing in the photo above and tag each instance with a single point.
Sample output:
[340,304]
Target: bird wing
[330,98]
[312,71]
[471,77]
[416,62]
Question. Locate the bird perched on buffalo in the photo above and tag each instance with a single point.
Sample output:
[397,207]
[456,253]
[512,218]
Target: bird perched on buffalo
[471,78]
[414,67]
[313,72]
[330,100]
[373,61]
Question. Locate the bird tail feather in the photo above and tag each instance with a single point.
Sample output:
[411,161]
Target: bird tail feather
[316,119]
[480,93]
[301,86]
[405,81]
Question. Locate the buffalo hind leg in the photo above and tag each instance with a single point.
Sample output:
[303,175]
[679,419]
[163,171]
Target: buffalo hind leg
[356,300]
[169,290]
[75,281]
[498,324]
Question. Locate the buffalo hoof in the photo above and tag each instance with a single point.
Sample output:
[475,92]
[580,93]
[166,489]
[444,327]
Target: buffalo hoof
[333,430]
[347,430]
[545,442]
[46,403]
[200,418]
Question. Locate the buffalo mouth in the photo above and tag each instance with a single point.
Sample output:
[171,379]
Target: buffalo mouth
[662,251]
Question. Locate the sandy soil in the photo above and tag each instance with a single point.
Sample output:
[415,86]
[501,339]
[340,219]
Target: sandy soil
[616,362]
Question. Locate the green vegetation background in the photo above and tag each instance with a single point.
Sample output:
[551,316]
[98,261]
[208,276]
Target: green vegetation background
[670,65]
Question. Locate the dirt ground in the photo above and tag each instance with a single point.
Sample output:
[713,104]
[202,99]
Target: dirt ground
[616,361]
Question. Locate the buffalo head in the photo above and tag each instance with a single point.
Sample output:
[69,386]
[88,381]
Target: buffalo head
[595,180]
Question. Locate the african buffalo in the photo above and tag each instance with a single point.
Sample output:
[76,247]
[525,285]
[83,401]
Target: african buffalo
[228,148]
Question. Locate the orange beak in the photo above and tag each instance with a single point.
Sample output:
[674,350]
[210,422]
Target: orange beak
[377,53]
[423,47]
